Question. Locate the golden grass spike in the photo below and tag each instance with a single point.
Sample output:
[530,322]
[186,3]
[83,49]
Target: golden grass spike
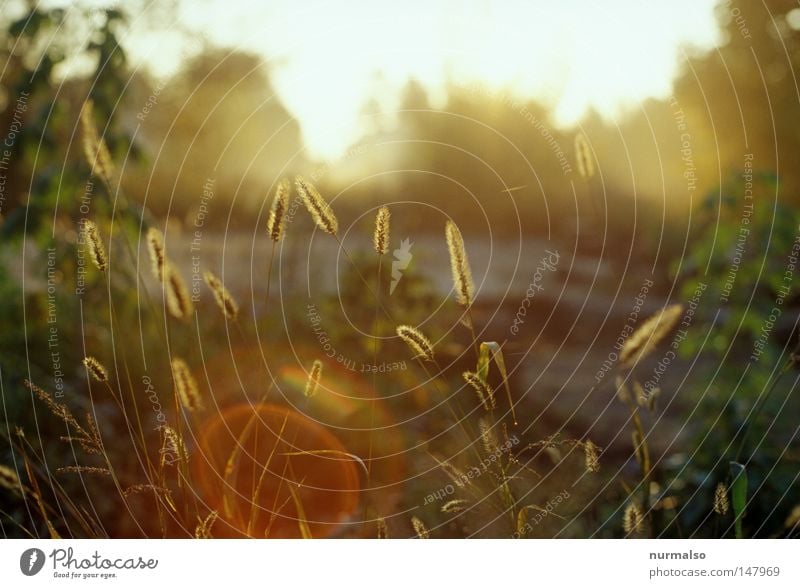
[383,529]
[591,457]
[456,505]
[84,470]
[224,299]
[420,528]
[721,503]
[459,264]
[173,444]
[419,343]
[632,520]
[313,379]
[277,211]
[584,156]
[9,479]
[95,148]
[179,304]
[380,239]
[644,339]
[97,253]
[158,257]
[319,210]
[95,368]
[483,390]
[186,386]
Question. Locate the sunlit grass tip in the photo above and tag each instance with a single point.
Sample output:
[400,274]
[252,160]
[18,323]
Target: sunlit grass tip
[380,239]
[97,252]
[158,256]
[318,208]
[417,342]
[224,299]
[185,385]
[459,264]
[277,212]
[420,529]
[642,342]
[179,304]
[95,368]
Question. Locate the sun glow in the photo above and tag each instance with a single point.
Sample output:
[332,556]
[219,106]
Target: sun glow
[572,55]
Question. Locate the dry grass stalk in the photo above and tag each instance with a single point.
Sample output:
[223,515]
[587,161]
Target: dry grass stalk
[84,470]
[632,520]
[313,379]
[317,207]
[420,528]
[139,488]
[95,368]
[419,343]
[179,304]
[277,212]
[488,437]
[95,148]
[97,252]
[380,238]
[224,299]
[383,529]
[721,503]
[89,440]
[203,529]
[642,342]
[185,385]
[158,256]
[584,156]
[459,264]
[591,457]
[485,393]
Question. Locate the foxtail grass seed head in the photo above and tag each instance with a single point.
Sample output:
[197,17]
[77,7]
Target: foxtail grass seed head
[454,506]
[185,385]
[383,529]
[9,479]
[380,239]
[313,378]
[277,212]
[721,503]
[632,520]
[319,210]
[95,148]
[459,264]
[584,156]
[203,529]
[420,528]
[644,339]
[224,299]
[96,369]
[158,257]
[174,449]
[178,302]
[97,252]
[591,457]
[482,389]
[419,343]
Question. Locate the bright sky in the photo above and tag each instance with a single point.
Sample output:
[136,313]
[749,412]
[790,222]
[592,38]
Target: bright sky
[331,56]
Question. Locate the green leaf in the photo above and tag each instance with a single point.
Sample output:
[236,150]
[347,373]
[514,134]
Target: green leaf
[738,494]
[492,350]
